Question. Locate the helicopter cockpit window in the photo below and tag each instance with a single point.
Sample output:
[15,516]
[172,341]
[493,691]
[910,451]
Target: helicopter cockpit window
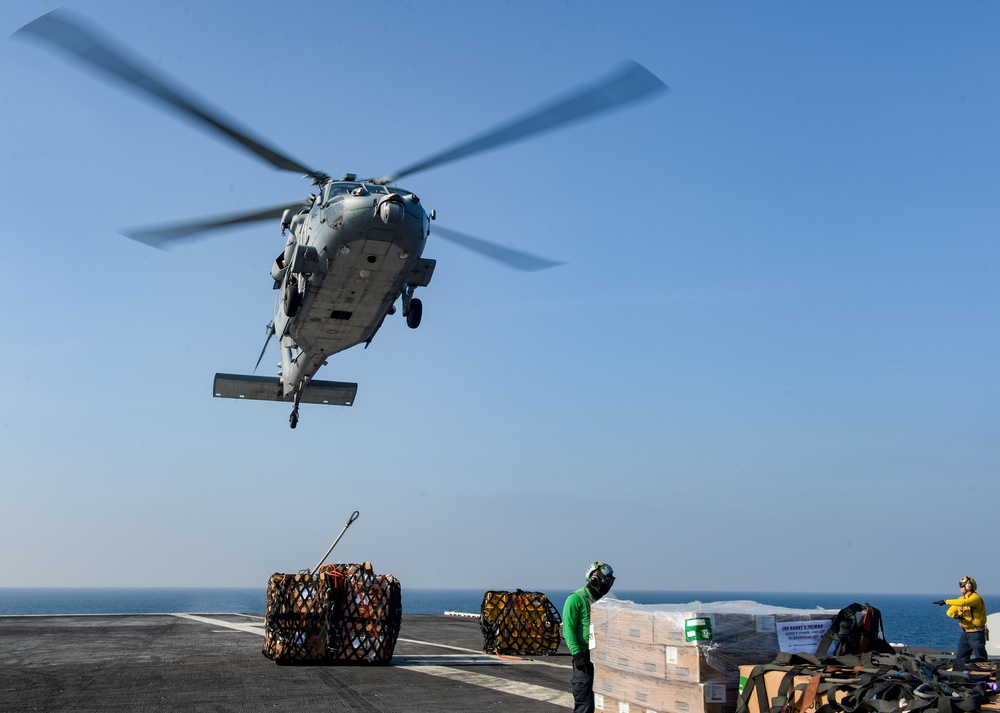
[372,188]
[339,189]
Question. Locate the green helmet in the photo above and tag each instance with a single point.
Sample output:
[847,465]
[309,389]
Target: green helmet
[603,567]
[600,577]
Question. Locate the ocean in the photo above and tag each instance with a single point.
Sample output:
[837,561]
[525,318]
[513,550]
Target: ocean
[911,619]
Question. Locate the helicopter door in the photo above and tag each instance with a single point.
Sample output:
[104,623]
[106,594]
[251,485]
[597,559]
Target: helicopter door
[313,221]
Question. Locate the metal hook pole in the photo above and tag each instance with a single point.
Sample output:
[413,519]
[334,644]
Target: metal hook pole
[354,516]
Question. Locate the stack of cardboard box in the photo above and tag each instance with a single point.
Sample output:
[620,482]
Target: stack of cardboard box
[685,658]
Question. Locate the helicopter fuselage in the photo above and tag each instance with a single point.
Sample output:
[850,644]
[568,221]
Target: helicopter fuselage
[350,256]
[355,247]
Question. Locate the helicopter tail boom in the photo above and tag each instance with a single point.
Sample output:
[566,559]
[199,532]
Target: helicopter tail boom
[269,388]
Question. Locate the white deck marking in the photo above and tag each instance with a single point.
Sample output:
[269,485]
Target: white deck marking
[432,665]
[237,625]
[492,658]
[441,646]
[515,688]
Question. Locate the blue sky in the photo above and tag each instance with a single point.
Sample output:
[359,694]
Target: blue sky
[768,364]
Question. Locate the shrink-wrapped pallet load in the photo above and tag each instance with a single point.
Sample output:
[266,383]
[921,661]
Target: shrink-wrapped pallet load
[685,658]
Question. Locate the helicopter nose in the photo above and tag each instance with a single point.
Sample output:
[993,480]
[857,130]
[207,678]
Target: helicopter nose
[391,210]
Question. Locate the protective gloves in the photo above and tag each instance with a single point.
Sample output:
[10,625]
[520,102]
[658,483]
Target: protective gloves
[939,602]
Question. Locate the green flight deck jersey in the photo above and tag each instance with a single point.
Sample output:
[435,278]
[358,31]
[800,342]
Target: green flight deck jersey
[576,621]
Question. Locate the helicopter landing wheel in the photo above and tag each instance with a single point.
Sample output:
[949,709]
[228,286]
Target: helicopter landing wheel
[293,299]
[414,314]
[293,420]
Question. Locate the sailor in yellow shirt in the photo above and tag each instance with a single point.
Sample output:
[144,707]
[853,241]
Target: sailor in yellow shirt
[970,610]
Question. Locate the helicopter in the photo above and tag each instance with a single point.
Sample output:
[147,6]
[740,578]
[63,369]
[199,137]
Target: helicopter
[354,247]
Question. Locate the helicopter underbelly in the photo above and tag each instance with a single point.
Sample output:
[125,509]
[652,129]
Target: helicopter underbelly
[345,305]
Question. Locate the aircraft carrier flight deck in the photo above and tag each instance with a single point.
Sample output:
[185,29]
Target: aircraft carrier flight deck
[213,662]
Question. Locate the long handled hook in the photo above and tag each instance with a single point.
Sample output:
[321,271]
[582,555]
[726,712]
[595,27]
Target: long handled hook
[354,516]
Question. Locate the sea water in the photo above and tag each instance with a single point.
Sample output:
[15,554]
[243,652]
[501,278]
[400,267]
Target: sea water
[907,618]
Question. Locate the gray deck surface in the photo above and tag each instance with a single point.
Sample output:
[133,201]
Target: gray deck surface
[213,662]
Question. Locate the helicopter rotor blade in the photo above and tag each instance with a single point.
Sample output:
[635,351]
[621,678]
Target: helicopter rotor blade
[630,83]
[510,257]
[267,340]
[73,36]
[166,236]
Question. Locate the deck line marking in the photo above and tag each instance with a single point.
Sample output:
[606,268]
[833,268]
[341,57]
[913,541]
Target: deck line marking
[490,657]
[416,663]
[524,690]
[238,626]
[483,657]
[450,659]
[441,646]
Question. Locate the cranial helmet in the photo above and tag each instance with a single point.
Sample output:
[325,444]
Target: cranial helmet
[600,577]
[967,580]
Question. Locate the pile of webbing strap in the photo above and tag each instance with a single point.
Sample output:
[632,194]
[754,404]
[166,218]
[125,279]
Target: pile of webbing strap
[519,623]
[341,614]
[869,683]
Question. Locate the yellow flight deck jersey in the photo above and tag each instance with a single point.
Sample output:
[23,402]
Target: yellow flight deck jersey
[970,611]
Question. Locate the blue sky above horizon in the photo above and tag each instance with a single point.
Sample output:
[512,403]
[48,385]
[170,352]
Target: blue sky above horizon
[773,346]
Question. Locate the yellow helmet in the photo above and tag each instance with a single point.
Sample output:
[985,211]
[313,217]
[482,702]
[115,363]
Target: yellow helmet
[967,581]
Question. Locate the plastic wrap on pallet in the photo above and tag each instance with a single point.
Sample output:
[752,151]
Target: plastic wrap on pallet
[519,623]
[699,642]
[365,615]
[685,658]
[297,617]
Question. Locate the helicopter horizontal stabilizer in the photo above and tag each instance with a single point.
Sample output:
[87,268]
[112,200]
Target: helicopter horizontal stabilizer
[268,388]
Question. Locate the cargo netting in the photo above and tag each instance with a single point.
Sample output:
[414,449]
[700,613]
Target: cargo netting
[519,623]
[298,617]
[343,614]
[366,614]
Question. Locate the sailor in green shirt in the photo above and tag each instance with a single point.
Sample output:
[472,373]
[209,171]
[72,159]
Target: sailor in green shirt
[578,632]
[970,610]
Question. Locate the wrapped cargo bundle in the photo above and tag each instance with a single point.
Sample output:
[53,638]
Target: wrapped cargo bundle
[686,657]
[519,623]
[365,616]
[297,617]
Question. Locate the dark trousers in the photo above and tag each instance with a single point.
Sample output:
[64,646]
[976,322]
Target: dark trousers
[583,689]
[972,646]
